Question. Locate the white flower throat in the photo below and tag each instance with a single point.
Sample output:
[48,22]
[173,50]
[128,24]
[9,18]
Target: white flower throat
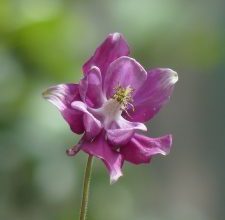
[112,109]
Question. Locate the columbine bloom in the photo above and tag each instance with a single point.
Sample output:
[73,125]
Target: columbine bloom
[111,103]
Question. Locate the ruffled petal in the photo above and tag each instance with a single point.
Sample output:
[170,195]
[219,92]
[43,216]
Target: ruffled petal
[153,94]
[61,96]
[124,72]
[91,88]
[112,48]
[91,124]
[123,131]
[101,149]
[141,148]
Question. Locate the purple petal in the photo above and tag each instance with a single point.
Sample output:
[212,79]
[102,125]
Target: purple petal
[61,96]
[119,137]
[112,48]
[141,148]
[153,94]
[75,149]
[91,124]
[112,159]
[124,72]
[124,131]
[91,88]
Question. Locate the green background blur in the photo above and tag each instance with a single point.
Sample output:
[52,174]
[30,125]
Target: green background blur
[45,42]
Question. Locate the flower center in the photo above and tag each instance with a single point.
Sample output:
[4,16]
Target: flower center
[112,109]
[123,96]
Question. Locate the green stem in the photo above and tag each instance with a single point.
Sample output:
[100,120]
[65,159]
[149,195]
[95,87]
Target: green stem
[86,185]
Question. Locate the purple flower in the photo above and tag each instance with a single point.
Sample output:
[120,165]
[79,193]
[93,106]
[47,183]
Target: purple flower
[111,103]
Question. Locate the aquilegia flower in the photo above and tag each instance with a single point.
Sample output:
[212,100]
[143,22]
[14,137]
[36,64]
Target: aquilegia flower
[110,104]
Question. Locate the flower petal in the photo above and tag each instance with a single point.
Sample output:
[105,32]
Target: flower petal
[141,148]
[123,132]
[91,88]
[153,94]
[124,71]
[91,124]
[75,149]
[61,96]
[112,48]
[101,149]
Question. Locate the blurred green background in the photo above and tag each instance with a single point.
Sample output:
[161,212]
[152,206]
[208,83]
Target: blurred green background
[45,42]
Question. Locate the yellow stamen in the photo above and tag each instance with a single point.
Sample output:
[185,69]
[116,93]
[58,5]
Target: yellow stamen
[123,96]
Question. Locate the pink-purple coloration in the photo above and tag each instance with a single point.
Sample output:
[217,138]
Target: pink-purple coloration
[110,119]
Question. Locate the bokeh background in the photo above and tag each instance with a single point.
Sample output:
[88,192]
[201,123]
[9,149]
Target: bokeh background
[45,42]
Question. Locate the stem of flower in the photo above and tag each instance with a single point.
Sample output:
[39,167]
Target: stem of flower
[86,185]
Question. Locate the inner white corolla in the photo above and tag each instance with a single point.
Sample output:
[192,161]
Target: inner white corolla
[112,109]
[109,115]
[110,112]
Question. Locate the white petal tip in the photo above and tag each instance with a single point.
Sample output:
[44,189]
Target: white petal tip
[173,76]
[114,177]
[141,127]
[56,95]
[144,128]
[115,36]
[165,153]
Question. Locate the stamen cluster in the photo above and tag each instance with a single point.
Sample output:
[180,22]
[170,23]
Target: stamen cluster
[123,95]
